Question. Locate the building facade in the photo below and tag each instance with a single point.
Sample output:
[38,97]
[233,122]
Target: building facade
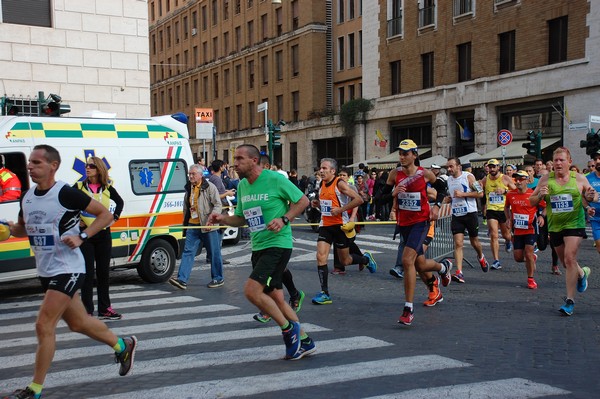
[94,54]
[448,74]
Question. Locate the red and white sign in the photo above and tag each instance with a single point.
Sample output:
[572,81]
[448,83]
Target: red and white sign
[505,137]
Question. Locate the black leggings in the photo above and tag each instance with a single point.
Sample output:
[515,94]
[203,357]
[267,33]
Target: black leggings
[96,249]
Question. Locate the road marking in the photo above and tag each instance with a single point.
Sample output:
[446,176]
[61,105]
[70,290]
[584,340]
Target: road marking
[245,386]
[512,388]
[197,360]
[140,329]
[131,316]
[8,362]
[31,304]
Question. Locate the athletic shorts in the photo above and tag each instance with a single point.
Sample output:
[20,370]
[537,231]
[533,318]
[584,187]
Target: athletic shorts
[557,238]
[500,216]
[68,284]
[334,235]
[268,266]
[519,242]
[595,229]
[414,235]
[468,222]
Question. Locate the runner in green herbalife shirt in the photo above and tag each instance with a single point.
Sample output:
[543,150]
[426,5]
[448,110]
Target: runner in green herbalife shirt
[567,196]
[267,201]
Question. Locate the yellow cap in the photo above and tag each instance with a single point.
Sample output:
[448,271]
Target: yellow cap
[4,232]
[521,173]
[493,161]
[348,229]
[408,145]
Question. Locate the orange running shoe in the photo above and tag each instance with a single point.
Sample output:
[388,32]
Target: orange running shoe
[435,295]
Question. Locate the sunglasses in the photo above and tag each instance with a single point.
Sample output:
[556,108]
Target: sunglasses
[91,166]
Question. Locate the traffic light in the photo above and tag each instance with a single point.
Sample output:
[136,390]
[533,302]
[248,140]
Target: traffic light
[532,146]
[274,137]
[591,143]
[55,107]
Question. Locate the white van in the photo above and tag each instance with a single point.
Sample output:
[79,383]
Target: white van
[147,160]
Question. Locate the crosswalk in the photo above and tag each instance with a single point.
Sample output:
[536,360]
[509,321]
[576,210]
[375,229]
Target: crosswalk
[188,348]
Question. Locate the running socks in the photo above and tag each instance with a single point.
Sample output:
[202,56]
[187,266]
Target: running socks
[323,272]
[120,346]
[287,326]
[432,280]
[36,388]
[408,305]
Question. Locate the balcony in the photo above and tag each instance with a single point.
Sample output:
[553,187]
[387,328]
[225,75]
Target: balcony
[426,16]
[394,27]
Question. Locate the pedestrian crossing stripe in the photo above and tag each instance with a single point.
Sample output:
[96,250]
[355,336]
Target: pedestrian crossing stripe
[512,388]
[289,380]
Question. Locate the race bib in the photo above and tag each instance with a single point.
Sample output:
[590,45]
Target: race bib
[326,207]
[521,221]
[255,219]
[41,237]
[561,203]
[409,201]
[496,199]
[193,213]
[459,207]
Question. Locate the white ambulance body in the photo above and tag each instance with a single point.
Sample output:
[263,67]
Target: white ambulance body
[147,160]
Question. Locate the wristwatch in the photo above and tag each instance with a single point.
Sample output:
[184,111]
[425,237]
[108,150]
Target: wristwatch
[285,219]
[83,236]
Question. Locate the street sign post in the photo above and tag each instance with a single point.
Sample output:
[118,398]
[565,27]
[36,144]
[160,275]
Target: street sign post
[505,137]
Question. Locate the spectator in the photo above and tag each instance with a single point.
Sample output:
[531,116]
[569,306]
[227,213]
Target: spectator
[10,185]
[294,177]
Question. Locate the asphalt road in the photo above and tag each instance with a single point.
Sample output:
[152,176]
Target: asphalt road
[491,337]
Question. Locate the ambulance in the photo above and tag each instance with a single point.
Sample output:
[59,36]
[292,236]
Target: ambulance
[147,161]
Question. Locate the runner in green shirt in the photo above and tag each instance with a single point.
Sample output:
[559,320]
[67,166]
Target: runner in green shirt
[267,201]
[567,196]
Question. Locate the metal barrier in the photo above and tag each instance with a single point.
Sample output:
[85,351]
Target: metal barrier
[442,246]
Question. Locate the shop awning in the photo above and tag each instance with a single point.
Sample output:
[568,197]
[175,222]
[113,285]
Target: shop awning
[467,158]
[515,153]
[438,160]
[391,160]
[366,162]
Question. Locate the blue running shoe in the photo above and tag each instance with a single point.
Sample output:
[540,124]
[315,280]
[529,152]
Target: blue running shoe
[582,282]
[496,265]
[322,299]
[372,266]
[508,246]
[291,338]
[307,348]
[397,271]
[567,308]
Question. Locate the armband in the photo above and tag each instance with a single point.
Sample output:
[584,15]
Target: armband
[477,187]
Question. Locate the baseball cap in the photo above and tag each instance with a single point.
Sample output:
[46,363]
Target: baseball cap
[408,145]
[435,166]
[521,174]
[493,161]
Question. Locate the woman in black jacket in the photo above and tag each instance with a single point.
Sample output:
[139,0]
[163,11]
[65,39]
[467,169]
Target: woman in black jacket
[98,248]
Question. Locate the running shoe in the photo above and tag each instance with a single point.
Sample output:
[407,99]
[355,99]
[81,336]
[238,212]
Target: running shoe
[582,282]
[531,284]
[446,277]
[485,266]
[291,337]
[296,302]
[125,358]
[407,316]
[26,393]
[341,272]
[567,308]
[556,271]
[485,222]
[397,272]
[508,246]
[372,266]
[261,317]
[496,265]
[216,283]
[307,348]
[435,295]
[110,314]
[322,299]
[458,277]
[178,283]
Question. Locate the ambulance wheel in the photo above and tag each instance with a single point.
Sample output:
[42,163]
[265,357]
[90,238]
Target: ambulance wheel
[158,262]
